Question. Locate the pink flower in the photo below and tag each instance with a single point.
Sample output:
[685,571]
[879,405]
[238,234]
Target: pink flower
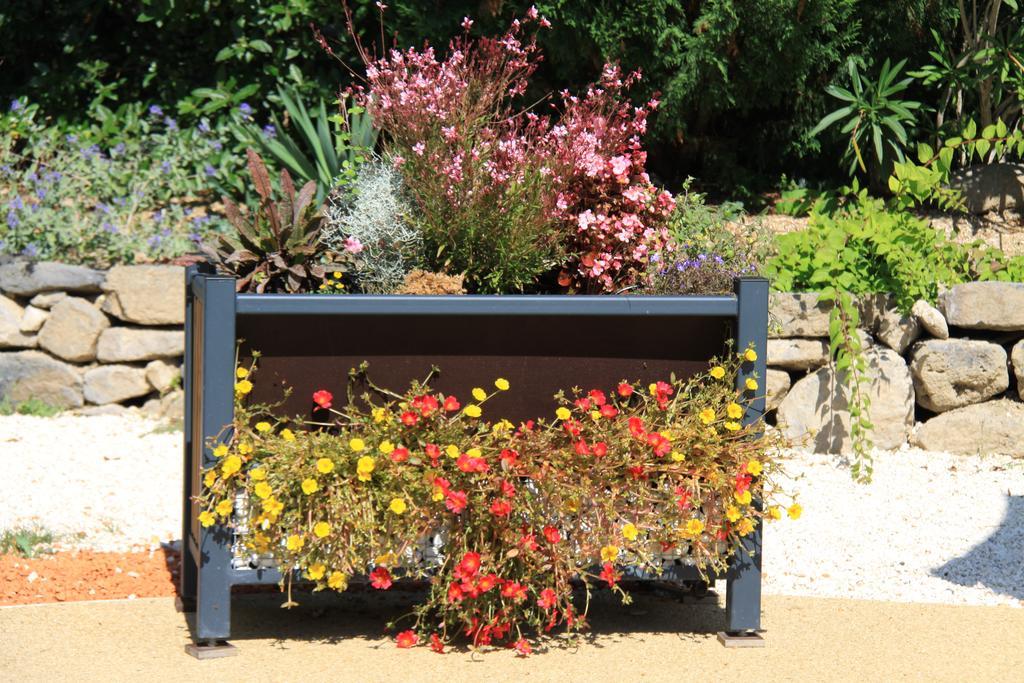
[467,23]
[353,245]
[418,148]
[620,165]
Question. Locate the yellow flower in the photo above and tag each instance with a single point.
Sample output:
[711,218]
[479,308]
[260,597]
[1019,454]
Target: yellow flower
[397,506]
[356,444]
[595,415]
[287,435]
[210,479]
[316,571]
[750,355]
[774,512]
[379,415]
[364,467]
[745,526]
[245,448]
[337,581]
[452,450]
[437,494]
[652,388]
[571,505]
[563,413]
[733,426]
[241,373]
[207,518]
[754,467]
[258,474]
[734,410]
[321,529]
[707,416]
[743,498]
[386,447]
[310,486]
[273,507]
[220,451]
[732,513]
[473,410]
[502,426]
[244,387]
[629,531]
[718,372]
[609,553]
[694,527]
[295,542]
[473,452]
[324,465]
[501,384]
[677,456]
[751,384]
[224,508]
[263,490]
[231,465]
[263,427]
[795,510]
[479,394]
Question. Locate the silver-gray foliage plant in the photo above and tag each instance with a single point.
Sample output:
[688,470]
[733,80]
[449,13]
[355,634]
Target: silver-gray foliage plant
[374,210]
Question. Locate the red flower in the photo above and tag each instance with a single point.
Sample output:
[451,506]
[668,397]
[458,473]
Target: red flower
[548,598]
[522,647]
[582,448]
[434,452]
[442,483]
[451,404]
[608,410]
[455,500]
[582,403]
[625,390]
[514,590]
[468,463]
[400,454]
[507,488]
[598,397]
[637,472]
[436,644]
[455,593]
[723,533]
[609,574]
[661,445]
[551,535]
[409,418]
[684,497]
[468,566]
[425,404]
[666,546]
[600,449]
[636,428]
[380,578]
[501,508]
[487,582]
[572,427]
[407,639]
[743,482]
[323,398]
[510,457]
[528,542]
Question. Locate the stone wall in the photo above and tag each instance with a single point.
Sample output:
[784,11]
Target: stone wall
[948,378]
[92,341]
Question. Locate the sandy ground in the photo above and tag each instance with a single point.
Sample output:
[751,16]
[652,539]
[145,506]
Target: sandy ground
[658,639]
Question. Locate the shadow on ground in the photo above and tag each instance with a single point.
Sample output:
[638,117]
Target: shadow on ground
[364,614]
[997,562]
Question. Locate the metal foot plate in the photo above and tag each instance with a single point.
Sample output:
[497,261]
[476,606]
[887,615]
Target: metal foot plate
[184,604]
[741,639]
[213,649]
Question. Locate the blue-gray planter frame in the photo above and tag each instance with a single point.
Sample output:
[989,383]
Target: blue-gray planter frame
[211,309]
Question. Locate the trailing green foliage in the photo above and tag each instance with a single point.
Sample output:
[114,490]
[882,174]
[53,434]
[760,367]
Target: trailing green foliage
[32,406]
[25,542]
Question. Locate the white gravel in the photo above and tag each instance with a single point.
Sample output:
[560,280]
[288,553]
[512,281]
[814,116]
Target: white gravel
[101,482]
[931,527]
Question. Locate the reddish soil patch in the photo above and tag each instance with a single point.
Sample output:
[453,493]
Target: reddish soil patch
[85,575]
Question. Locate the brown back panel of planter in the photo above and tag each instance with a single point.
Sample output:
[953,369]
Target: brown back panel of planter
[539,355]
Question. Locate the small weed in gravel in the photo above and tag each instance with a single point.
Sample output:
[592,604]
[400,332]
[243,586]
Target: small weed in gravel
[33,407]
[25,542]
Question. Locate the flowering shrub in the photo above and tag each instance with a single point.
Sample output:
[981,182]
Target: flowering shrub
[507,195]
[83,198]
[500,518]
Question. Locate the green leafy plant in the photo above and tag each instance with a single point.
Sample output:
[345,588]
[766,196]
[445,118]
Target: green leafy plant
[314,146]
[25,542]
[875,116]
[32,406]
[276,247]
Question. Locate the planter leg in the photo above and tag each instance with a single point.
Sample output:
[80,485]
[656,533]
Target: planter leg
[211,649]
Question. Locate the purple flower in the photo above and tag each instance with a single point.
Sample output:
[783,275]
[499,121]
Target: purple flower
[170,123]
[216,144]
[209,170]
[109,227]
[41,193]
[71,139]
[102,207]
[269,131]
[16,203]
[245,110]
[158,216]
[154,241]
[30,250]
[12,220]
[118,149]
[195,237]
[155,110]
[15,105]
[120,201]
[204,127]
[166,167]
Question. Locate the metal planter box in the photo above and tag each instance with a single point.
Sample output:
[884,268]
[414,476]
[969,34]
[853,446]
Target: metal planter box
[540,343]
